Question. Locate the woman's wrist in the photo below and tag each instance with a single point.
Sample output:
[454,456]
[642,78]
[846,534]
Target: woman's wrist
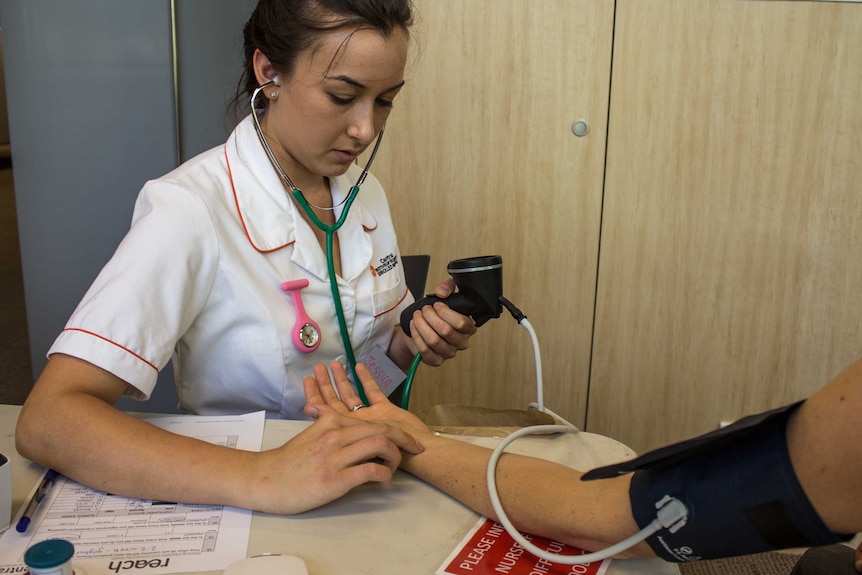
[399,351]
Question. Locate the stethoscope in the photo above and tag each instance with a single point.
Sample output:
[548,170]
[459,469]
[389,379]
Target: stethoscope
[306,333]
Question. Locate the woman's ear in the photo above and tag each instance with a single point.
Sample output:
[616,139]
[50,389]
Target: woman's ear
[263,69]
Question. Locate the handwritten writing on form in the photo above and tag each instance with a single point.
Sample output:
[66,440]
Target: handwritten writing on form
[114,534]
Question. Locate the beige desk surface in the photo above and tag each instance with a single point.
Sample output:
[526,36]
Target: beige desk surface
[404,528]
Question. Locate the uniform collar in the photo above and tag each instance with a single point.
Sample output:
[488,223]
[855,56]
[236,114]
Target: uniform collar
[272,220]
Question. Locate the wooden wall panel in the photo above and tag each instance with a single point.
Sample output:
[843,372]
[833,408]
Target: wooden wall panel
[730,278]
[479,158]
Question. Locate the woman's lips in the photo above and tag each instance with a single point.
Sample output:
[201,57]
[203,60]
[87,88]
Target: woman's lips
[346,156]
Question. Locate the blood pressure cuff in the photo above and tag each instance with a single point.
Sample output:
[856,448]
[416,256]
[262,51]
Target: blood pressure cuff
[738,485]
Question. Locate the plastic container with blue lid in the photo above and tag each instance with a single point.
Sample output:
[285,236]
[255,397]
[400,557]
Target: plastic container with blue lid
[50,557]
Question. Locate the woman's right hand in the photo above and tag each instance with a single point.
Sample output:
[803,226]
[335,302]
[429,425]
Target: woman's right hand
[137,459]
[326,460]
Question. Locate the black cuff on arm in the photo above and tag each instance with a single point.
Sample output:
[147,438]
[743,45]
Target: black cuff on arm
[738,485]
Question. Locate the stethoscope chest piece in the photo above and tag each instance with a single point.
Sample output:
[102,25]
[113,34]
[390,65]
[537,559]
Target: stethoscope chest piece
[305,333]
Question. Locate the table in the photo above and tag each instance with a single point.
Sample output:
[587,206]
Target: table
[404,528]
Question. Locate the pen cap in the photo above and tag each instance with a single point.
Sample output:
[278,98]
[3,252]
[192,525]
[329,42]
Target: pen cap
[50,557]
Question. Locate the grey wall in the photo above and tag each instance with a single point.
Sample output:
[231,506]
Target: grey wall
[92,115]
[4,124]
[209,47]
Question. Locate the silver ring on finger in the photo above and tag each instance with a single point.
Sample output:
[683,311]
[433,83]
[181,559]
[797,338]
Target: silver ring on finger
[357,407]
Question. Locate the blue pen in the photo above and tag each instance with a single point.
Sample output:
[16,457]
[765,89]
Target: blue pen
[42,490]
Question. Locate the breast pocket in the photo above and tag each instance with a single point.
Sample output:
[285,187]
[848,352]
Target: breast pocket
[387,300]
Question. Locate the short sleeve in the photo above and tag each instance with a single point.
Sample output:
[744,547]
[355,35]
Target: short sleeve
[150,291]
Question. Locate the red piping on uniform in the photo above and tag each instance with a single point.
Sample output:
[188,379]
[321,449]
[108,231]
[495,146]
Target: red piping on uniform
[112,343]
[394,306]
[239,211]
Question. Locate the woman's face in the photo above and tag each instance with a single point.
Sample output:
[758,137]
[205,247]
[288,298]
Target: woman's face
[335,102]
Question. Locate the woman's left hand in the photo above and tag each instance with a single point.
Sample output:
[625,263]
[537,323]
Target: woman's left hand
[437,331]
[322,398]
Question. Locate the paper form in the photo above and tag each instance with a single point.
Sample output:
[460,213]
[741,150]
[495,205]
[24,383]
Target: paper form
[113,534]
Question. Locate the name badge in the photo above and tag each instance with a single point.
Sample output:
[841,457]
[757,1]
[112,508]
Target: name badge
[385,371]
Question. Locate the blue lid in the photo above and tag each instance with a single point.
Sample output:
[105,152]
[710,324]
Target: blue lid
[50,553]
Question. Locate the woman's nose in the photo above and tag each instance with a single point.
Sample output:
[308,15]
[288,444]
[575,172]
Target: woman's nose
[362,125]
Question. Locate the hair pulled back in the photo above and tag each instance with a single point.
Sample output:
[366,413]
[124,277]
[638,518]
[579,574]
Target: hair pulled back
[282,29]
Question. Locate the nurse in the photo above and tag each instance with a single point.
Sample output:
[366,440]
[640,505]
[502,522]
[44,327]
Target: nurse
[199,278]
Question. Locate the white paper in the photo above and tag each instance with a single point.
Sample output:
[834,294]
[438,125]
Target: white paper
[113,534]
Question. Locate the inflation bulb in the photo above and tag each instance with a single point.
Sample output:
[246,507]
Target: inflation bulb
[480,286]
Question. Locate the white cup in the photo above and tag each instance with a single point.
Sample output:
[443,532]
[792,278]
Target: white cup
[5,493]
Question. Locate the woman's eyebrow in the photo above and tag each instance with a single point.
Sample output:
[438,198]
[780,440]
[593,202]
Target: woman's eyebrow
[358,84]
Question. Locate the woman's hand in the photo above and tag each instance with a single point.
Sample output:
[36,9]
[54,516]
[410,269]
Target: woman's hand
[328,459]
[436,331]
[136,459]
[322,400]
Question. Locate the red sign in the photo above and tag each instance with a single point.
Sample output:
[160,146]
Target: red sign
[489,550]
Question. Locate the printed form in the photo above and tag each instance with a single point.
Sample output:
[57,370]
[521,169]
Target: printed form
[113,534]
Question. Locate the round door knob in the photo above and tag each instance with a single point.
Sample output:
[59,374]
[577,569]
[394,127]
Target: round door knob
[580,128]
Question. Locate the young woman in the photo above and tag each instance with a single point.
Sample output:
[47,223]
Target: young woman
[222,265]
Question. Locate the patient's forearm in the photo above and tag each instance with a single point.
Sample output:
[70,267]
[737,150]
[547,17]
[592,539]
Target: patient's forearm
[539,497]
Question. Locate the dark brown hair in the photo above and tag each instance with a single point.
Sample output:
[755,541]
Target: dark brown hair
[282,29]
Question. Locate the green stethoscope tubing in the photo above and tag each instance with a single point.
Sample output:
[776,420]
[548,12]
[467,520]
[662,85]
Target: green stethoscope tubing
[408,383]
[329,231]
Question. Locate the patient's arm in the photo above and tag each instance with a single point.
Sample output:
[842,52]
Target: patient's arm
[544,498]
[825,441]
[540,497]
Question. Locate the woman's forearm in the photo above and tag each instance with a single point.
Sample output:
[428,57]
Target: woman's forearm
[69,423]
[88,440]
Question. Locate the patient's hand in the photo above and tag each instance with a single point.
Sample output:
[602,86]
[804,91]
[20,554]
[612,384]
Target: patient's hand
[321,398]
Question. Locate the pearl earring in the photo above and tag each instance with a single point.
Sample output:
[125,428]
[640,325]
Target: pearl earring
[273,94]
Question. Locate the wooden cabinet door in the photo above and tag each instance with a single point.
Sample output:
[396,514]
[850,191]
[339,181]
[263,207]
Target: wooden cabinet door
[479,158]
[730,277]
